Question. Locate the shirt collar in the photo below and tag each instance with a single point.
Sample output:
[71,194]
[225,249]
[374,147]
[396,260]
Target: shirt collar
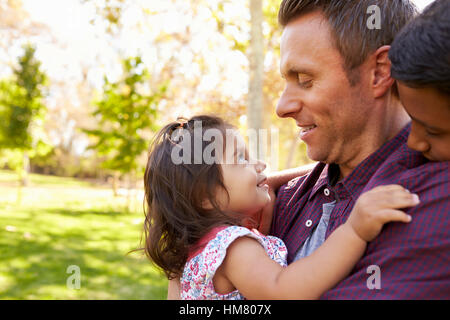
[353,184]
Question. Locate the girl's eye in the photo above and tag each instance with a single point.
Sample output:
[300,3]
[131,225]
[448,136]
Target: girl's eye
[241,158]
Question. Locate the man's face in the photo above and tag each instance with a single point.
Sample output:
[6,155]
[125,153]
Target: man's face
[430,113]
[318,96]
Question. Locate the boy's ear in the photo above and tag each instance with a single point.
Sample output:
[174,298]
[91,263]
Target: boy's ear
[381,77]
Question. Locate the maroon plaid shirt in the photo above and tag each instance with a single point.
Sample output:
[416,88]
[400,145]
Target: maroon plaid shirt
[414,258]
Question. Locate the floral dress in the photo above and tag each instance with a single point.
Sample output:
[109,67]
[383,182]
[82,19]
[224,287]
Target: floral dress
[197,279]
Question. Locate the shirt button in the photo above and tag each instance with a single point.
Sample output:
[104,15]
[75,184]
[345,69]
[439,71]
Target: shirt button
[326,192]
[308,223]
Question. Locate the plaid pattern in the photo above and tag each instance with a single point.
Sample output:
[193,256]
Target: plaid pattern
[414,258]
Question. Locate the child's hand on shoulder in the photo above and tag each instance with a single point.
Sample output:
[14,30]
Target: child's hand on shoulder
[378,206]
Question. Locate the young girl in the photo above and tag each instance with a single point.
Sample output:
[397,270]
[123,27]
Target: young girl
[202,218]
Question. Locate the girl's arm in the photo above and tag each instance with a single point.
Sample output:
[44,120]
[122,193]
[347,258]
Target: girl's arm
[173,290]
[250,270]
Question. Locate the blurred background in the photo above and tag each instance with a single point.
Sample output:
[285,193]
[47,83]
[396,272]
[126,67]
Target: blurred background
[84,85]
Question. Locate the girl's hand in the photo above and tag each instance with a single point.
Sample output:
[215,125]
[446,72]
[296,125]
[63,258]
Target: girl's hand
[378,206]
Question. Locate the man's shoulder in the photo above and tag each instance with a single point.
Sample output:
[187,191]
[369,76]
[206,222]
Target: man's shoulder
[412,170]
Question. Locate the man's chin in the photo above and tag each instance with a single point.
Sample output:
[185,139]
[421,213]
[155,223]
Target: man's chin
[316,155]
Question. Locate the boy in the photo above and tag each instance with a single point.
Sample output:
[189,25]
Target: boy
[420,56]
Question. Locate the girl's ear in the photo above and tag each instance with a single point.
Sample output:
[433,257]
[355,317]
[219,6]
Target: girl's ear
[206,204]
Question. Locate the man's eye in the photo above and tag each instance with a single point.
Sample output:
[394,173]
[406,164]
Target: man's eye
[303,81]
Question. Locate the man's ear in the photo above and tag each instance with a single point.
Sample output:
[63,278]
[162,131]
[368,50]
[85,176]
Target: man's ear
[381,77]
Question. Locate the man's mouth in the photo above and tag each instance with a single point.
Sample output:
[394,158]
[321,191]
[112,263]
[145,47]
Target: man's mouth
[305,130]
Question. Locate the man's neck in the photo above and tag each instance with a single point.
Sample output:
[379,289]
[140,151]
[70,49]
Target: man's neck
[390,123]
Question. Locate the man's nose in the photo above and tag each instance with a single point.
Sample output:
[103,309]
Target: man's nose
[289,104]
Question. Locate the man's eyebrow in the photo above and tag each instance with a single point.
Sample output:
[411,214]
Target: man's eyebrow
[291,70]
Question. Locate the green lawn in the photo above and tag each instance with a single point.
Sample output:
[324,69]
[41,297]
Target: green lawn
[62,222]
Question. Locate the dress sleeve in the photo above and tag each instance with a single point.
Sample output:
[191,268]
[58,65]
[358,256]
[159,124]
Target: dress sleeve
[197,279]
[216,250]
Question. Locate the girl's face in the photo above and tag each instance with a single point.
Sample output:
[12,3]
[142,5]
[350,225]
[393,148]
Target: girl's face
[244,180]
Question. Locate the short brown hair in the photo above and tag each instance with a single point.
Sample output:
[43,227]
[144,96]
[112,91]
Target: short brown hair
[348,24]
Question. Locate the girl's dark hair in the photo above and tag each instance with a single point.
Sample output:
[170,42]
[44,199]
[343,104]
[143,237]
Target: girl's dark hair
[175,194]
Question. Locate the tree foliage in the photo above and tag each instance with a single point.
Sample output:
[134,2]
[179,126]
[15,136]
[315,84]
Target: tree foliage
[22,111]
[124,114]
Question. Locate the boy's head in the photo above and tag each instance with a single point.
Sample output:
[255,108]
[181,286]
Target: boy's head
[420,57]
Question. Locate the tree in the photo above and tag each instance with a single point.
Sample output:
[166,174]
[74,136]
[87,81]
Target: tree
[256,60]
[23,113]
[125,113]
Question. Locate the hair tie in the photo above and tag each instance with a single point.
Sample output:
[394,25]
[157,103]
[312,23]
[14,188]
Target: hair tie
[181,122]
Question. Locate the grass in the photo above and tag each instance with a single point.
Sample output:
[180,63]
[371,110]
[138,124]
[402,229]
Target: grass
[62,222]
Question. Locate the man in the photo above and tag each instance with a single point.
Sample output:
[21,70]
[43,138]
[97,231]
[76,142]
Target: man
[340,92]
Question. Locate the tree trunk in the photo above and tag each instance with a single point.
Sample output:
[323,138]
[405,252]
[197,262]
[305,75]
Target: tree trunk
[115,183]
[256,62]
[25,170]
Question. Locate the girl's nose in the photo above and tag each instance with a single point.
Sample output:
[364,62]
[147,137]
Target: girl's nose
[260,166]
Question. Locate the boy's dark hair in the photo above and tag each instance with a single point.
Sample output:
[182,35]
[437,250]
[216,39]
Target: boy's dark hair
[175,194]
[348,25]
[420,54]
